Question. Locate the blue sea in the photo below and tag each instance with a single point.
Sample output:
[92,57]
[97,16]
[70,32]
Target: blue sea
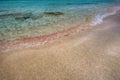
[30,18]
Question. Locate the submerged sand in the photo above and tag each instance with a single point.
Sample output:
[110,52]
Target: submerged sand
[90,55]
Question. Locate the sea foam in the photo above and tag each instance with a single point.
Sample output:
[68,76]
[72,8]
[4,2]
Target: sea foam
[98,19]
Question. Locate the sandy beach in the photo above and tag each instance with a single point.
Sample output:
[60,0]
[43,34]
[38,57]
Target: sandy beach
[91,54]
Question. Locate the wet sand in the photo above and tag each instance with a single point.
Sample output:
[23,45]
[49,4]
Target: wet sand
[89,55]
[39,40]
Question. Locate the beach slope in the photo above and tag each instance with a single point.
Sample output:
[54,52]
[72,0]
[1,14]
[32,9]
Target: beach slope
[91,56]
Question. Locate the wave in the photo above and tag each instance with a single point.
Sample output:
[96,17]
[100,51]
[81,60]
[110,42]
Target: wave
[98,19]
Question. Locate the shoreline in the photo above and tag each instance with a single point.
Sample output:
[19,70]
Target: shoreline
[39,40]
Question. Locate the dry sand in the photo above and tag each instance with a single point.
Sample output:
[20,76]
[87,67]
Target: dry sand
[93,55]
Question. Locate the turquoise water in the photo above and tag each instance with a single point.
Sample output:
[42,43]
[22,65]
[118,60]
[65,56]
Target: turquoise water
[20,18]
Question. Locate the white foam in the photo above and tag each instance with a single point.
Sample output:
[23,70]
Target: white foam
[98,19]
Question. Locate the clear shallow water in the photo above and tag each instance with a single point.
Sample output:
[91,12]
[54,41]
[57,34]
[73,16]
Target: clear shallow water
[19,19]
